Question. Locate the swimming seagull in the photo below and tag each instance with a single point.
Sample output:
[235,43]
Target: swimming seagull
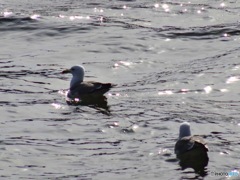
[191,150]
[80,88]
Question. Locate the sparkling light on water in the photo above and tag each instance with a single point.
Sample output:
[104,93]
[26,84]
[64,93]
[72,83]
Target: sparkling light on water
[165,93]
[57,106]
[61,16]
[35,16]
[78,17]
[63,92]
[232,79]
[7,14]
[96,10]
[156,5]
[165,7]
[235,68]
[124,63]
[184,91]
[222,4]
[164,151]
[208,89]
[224,90]
[135,127]
[225,35]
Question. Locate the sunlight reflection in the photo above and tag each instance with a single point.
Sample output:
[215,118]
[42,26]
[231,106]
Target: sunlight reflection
[7,14]
[78,17]
[165,7]
[72,18]
[184,91]
[116,124]
[200,75]
[135,127]
[25,169]
[235,68]
[224,153]
[165,93]
[164,151]
[124,63]
[224,90]
[232,79]
[222,4]
[156,5]
[57,106]
[17,150]
[96,10]
[35,16]
[151,154]
[103,131]
[225,35]
[63,92]
[61,16]
[208,89]
[116,65]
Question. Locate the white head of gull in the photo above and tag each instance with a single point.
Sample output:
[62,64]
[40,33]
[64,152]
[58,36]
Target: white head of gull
[77,73]
[184,130]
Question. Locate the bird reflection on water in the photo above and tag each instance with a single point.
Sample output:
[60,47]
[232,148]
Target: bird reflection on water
[98,102]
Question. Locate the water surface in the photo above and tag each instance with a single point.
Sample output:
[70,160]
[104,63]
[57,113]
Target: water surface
[172,61]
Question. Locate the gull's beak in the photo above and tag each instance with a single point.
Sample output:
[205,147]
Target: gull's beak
[66,71]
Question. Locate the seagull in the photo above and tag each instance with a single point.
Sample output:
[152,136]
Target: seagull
[80,88]
[191,150]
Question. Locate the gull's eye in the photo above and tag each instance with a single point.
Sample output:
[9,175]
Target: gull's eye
[72,69]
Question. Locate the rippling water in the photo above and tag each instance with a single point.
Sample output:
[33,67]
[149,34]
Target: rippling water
[173,62]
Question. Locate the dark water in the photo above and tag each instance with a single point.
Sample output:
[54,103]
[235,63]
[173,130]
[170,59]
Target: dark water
[173,62]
